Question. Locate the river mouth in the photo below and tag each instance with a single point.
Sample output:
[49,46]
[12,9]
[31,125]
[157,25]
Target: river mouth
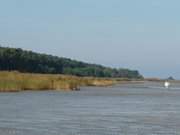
[127,109]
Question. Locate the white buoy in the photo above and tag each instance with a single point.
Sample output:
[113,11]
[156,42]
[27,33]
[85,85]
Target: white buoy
[166,84]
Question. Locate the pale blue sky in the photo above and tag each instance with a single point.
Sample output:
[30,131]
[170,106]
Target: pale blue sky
[137,34]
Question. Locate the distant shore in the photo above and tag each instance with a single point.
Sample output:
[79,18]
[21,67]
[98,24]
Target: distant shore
[160,80]
[16,81]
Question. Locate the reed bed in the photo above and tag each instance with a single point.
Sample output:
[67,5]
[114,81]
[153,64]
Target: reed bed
[16,81]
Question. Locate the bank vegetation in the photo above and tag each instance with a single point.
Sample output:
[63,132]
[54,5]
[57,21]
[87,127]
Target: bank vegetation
[15,81]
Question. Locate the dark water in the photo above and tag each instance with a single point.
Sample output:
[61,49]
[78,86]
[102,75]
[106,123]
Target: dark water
[128,109]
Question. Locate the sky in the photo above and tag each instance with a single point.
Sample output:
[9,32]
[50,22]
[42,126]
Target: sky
[135,34]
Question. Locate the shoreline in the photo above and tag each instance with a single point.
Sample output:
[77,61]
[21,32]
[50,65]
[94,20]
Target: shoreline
[13,81]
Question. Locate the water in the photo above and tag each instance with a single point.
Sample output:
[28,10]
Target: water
[128,109]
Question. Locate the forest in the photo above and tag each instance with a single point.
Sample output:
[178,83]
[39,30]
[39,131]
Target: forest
[17,59]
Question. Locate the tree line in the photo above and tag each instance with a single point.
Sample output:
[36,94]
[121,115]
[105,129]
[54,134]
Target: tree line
[28,61]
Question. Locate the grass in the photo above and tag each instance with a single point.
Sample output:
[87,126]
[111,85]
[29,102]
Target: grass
[16,81]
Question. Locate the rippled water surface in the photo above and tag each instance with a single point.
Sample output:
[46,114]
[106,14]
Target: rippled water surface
[127,109]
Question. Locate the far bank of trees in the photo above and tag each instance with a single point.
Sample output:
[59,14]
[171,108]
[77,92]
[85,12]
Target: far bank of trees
[28,61]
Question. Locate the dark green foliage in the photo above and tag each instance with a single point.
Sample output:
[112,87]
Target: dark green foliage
[28,61]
